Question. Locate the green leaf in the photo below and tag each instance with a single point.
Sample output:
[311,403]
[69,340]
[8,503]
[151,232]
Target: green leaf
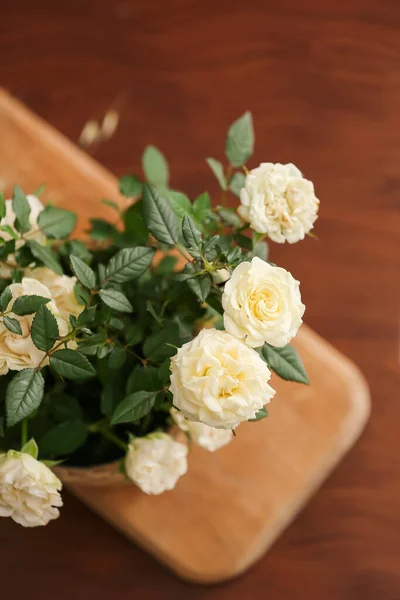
[230,217]
[2,206]
[44,330]
[150,308]
[202,207]
[10,231]
[135,227]
[285,362]
[117,358]
[111,395]
[82,294]
[5,299]
[240,140]
[27,305]
[160,344]
[159,217]
[64,438]
[167,265]
[200,286]
[261,414]
[129,264]
[39,190]
[84,273]
[130,186]
[237,183]
[56,222]
[143,379]
[46,256]
[64,407]
[218,170]
[31,448]
[77,248]
[24,395]
[22,210]
[116,300]
[71,364]
[12,325]
[180,203]
[191,234]
[155,167]
[133,407]
[87,316]
[102,230]
[111,204]
[1,427]
[261,250]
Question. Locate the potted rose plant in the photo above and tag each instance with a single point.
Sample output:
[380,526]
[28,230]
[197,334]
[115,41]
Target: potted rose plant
[168,319]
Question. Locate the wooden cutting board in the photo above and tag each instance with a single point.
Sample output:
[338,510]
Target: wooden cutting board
[232,505]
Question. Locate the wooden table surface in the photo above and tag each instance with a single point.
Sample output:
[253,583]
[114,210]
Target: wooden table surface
[323,82]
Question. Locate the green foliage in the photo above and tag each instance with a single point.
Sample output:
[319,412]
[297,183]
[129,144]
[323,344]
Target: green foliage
[116,300]
[24,395]
[44,329]
[56,222]
[12,325]
[84,273]
[218,170]
[71,364]
[285,362]
[130,186]
[155,167]
[159,217]
[240,141]
[133,407]
[129,264]
[45,256]
[22,210]
[31,448]
[106,376]
[5,298]
[64,438]
[27,305]
[2,206]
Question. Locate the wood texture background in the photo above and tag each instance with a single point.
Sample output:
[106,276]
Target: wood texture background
[323,82]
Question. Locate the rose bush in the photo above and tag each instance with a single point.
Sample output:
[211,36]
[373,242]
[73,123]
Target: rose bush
[104,351]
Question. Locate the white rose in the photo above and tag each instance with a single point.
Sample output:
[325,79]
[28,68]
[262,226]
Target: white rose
[205,436]
[279,201]
[156,462]
[61,288]
[33,234]
[29,491]
[262,303]
[18,352]
[218,380]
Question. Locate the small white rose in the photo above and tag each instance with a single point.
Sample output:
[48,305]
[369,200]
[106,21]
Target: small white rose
[262,303]
[29,491]
[61,288]
[218,380]
[34,234]
[205,436]
[18,352]
[279,201]
[156,462]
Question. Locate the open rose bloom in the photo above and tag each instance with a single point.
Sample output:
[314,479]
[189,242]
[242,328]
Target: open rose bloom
[110,355]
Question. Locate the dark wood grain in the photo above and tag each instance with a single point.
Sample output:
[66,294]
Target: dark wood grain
[323,82]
